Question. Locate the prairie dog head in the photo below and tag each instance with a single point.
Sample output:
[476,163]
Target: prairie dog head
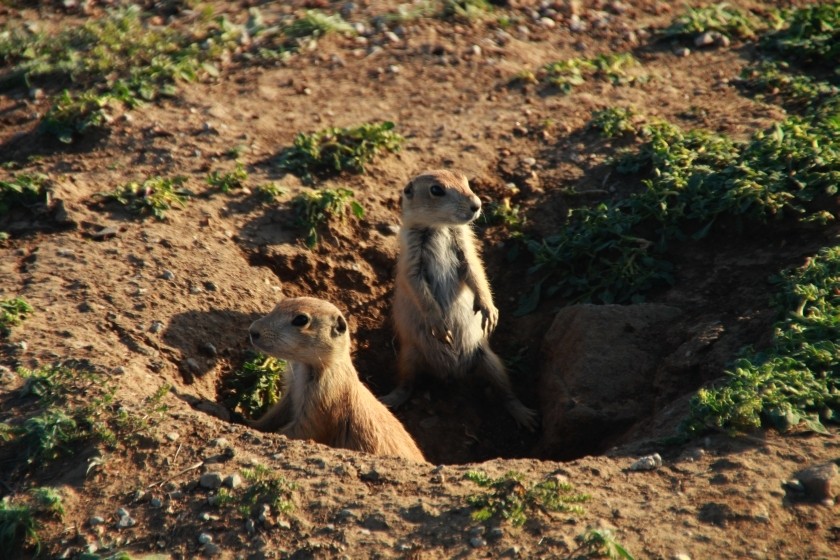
[439,198]
[305,330]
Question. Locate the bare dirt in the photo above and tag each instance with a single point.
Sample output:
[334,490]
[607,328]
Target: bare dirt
[232,257]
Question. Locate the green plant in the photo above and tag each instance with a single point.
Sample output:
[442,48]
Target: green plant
[566,74]
[797,379]
[796,91]
[599,543]
[315,23]
[24,190]
[227,182]
[316,209]
[720,17]
[255,387]
[334,150]
[504,213]
[12,312]
[811,35]
[17,527]
[613,121]
[266,487]
[270,191]
[616,251]
[48,500]
[71,116]
[467,10]
[153,196]
[509,499]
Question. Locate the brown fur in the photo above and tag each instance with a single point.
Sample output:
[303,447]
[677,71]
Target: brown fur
[324,400]
[443,307]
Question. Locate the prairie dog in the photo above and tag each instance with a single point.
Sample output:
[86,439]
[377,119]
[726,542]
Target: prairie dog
[443,308]
[324,400]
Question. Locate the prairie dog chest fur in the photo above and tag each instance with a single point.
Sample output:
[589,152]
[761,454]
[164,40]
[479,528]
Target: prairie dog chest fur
[441,260]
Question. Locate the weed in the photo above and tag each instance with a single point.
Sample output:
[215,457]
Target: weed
[315,23]
[72,116]
[777,80]
[24,190]
[566,74]
[508,498]
[615,251]
[155,195]
[12,312]
[334,150]
[503,213]
[795,380]
[48,500]
[17,527]
[255,387]
[270,191]
[316,209]
[266,487]
[721,17]
[613,121]
[227,182]
[466,10]
[812,36]
[599,543]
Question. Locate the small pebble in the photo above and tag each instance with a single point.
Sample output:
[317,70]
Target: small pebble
[232,481]
[126,521]
[156,502]
[682,52]
[250,527]
[204,538]
[478,542]
[172,436]
[647,463]
[122,512]
[211,480]
[496,533]
[681,556]
[156,327]
[210,286]
[96,520]
[208,349]
[168,275]
[211,549]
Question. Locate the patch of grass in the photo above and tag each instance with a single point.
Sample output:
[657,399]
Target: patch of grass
[334,150]
[12,312]
[72,404]
[315,210]
[777,80]
[228,182]
[315,23]
[154,196]
[72,116]
[24,190]
[720,17]
[613,122]
[797,379]
[508,498]
[18,527]
[599,543]
[810,35]
[256,386]
[270,191]
[265,486]
[48,500]
[615,251]
[465,10]
[503,213]
[566,74]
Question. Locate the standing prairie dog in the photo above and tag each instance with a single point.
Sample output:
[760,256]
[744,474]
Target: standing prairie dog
[443,308]
[324,400]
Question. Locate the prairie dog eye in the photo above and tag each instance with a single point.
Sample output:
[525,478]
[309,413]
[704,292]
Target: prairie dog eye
[300,320]
[437,190]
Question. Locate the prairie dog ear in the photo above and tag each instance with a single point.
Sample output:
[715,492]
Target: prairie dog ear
[339,326]
[408,191]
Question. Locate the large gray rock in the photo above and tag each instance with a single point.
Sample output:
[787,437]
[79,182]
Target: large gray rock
[597,371]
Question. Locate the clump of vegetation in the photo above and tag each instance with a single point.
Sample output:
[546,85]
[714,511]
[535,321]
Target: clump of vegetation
[315,23]
[72,404]
[265,486]
[599,543]
[615,251]
[18,527]
[256,386]
[797,379]
[566,74]
[777,80]
[811,35]
[154,196]
[24,190]
[12,312]
[465,10]
[227,182]
[508,498]
[613,121]
[73,116]
[316,209]
[504,213]
[720,17]
[334,150]
[270,191]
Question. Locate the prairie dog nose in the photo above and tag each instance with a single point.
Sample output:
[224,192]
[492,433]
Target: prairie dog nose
[475,204]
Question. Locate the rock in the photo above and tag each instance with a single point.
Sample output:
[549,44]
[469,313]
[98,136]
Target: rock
[647,463]
[156,327]
[597,374]
[96,520]
[250,527]
[168,275]
[821,482]
[210,286]
[204,538]
[705,39]
[219,442]
[172,436]
[232,481]
[122,512]
[682,52]
[375,522]
[211,549]
[681,556]
[211,480]
[478,542]
[496,533]
[125,522]
[104,233]
[155,503]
